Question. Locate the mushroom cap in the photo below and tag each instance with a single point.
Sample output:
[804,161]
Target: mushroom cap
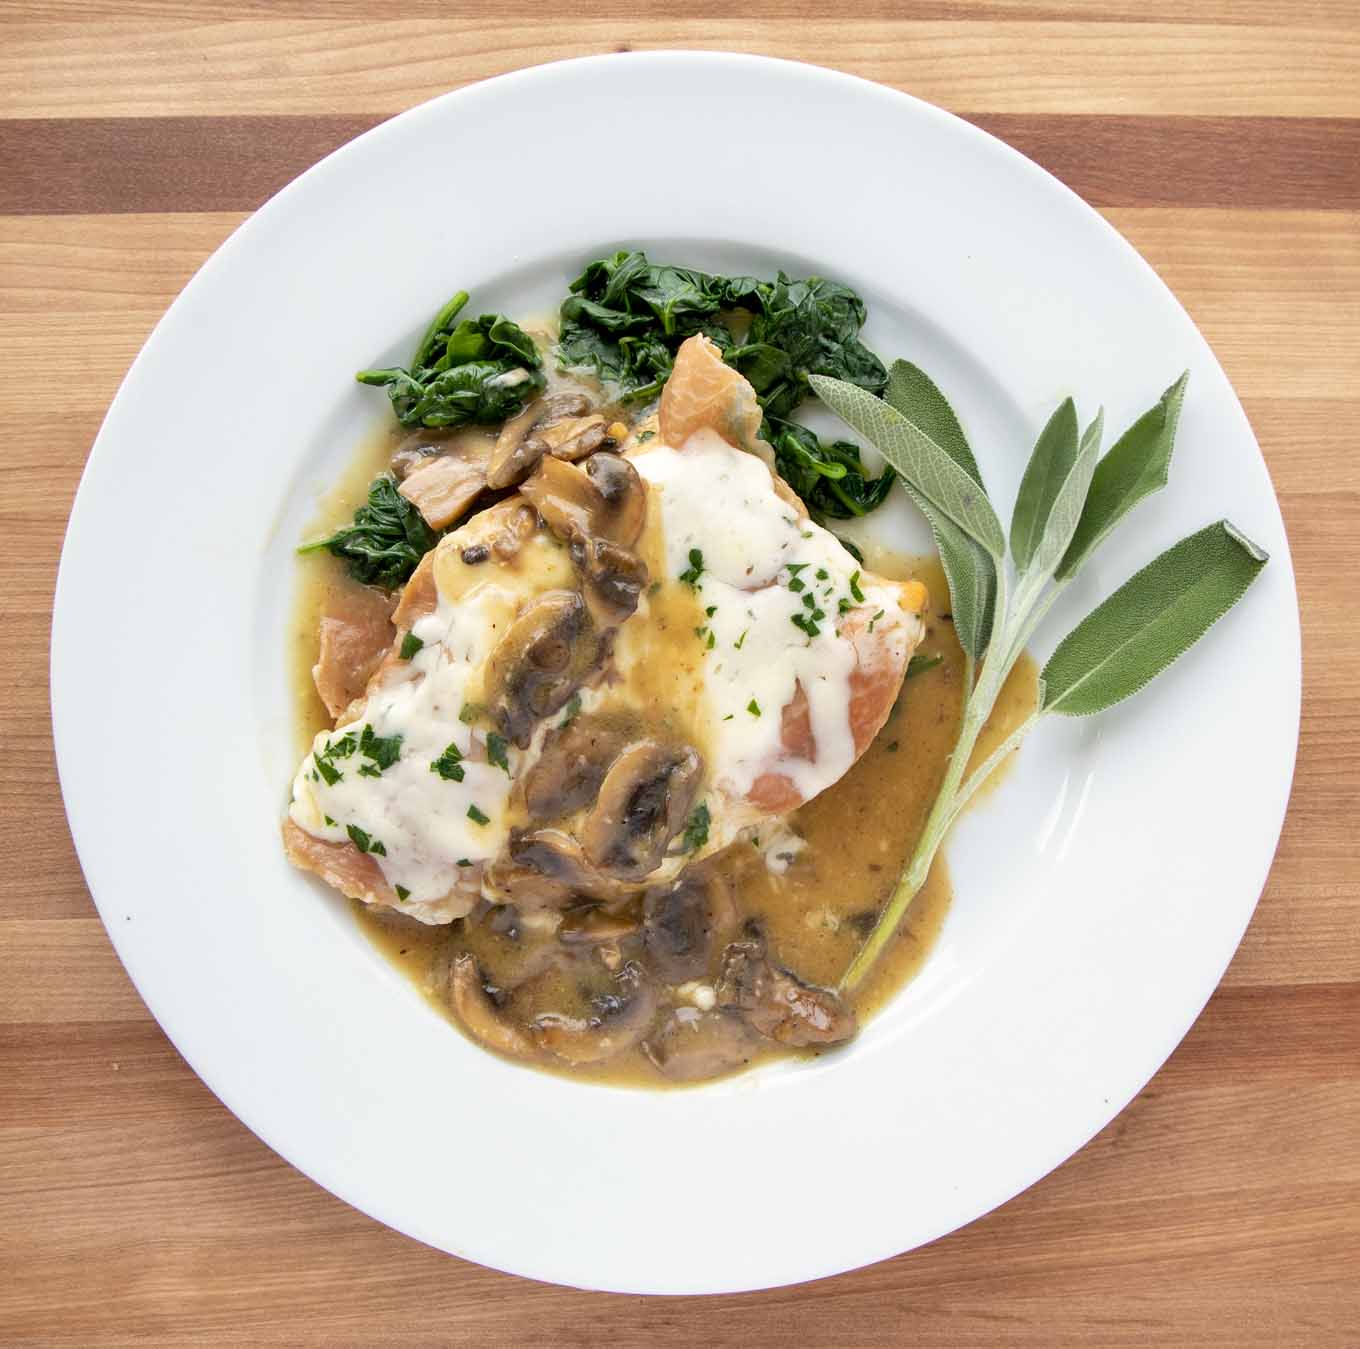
[546,654]
[621,1021]
[644,801]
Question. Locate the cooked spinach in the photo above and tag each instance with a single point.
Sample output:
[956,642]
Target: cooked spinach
[387,538]
[830,478]
[626,317]
[480,370]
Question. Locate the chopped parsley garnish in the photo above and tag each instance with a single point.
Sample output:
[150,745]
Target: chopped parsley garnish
[495,750]
[821,573]
[339,748]
[330,823]
[808,622]
[753,708]
[796,585]
[464,862]
[645,436]
[843,606]
[729,716]
[875,619]
[384,750]
[918,665]
[810,600]
[573,709]
[741,641]
[469,713]
[449,765]
[793,568]
[711,639]
[370,770]
[891,746]
[711,610]
[410,644]
[695,570]
[696,830]
[476,816]
[855,592]
[402,892]
[361,840]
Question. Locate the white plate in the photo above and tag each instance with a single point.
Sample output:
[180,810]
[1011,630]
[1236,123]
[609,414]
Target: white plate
[1100,893]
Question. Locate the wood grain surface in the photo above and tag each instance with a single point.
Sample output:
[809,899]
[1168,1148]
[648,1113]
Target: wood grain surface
[1222,1207]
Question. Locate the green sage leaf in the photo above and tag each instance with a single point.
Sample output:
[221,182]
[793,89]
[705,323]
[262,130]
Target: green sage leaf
[1152,619]
[1067,505]
[1054,454]
[1135,467]
[970,571]
[920,461]
[968,567]
[918,398]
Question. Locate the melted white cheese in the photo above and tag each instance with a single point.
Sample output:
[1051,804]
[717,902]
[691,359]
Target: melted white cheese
[422,819]
[762,564]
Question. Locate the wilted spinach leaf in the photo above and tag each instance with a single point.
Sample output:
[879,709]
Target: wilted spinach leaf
[626,317]
[830,478]
[385,541]
[480,370]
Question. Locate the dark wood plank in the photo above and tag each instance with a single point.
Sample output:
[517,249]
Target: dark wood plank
[173,164]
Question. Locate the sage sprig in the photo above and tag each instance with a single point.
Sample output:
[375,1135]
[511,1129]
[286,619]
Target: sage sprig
[1069,501]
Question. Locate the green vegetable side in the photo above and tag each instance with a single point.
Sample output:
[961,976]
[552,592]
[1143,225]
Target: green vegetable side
[385,541]
[482,370]
[626,317]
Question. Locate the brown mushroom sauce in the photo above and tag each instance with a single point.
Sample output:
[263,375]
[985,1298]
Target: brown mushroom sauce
[681,984]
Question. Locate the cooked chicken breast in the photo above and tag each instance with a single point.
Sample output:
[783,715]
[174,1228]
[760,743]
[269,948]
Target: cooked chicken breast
[637,660]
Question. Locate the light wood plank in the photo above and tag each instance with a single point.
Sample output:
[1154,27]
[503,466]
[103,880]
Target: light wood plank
[129,68]
[1269,13]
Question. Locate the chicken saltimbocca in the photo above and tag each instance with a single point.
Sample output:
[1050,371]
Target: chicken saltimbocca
[576,768]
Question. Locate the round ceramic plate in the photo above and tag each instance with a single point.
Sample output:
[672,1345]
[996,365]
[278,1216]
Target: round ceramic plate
[1100,892]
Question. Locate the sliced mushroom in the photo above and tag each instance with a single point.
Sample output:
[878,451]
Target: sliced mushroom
[571,767]
[565,404]
[409,458]
[624,496]
[617,1023]
[778,1004]
[478,1015]
[690,1044]
[443,488]
[565,497]
[604,500]
[570,438]
[511,532]
[524,886]
[643,804]
[683,923]
[524,439]
[545,656]
[614,580]
[557,858]
[591,925]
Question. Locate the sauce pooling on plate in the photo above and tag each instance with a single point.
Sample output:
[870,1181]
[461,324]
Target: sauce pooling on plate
[587,786]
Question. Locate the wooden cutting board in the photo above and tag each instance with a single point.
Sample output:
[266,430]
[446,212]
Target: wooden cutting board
[1223,1207]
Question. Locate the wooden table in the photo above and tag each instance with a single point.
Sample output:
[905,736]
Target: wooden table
[1223,1207]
